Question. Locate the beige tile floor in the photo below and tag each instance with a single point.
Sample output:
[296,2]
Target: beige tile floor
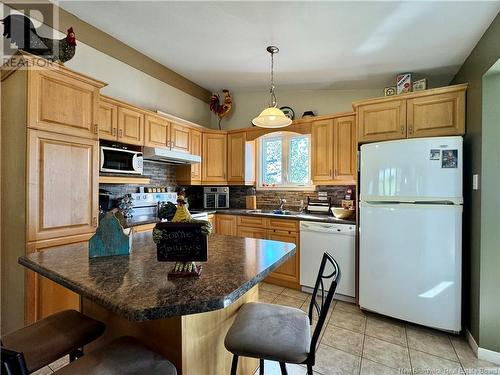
[359,343]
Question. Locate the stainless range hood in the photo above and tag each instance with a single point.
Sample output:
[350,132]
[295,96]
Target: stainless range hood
[169,156]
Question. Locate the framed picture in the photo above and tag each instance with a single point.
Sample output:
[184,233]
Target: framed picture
[403,83]
[288,112]
[390,91]
[420,85]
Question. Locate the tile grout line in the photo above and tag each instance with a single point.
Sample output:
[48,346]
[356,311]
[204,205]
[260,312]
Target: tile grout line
[408,346]
[456,353]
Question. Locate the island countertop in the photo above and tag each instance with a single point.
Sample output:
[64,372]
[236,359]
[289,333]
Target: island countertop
[136,286]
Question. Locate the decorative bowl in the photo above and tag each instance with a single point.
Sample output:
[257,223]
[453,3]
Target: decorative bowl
[342,213]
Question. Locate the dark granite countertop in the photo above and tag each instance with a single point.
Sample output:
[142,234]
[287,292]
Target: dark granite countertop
[136,286]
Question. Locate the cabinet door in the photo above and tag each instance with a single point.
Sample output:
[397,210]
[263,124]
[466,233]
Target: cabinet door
[108,120]
[236,158]
[344,156]
[63,185]
[214,158]
[382,121]
[130,126]
[250,232]
[156,131]
[436,115]
[211,220]
[62,104]
[288,274]
[322,151]
[196,150]
[226,224]
[180,137]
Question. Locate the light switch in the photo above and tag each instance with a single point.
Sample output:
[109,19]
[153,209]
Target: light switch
[475,182]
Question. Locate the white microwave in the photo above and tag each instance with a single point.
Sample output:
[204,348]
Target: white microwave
[119,160]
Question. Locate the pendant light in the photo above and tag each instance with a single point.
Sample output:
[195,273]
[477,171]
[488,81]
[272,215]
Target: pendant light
[272,117]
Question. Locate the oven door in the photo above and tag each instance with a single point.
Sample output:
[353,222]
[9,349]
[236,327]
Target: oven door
[222,200]
[209,200]
[115,160]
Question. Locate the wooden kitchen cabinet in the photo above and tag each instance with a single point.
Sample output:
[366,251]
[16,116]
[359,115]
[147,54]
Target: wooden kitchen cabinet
[240,159]
[288,274]
[382,121]
[130,126]
[333,146]
[63,101]
[428,113]
[180,137]
[436,115]
[107,120]
[226,224]
[214,153]
[156,131]
[251,232]
[190,174]
[211,220]
[63,185]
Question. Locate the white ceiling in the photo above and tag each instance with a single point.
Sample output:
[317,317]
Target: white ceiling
[323,45]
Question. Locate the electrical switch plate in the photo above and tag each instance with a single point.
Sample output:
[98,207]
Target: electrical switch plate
[475,182]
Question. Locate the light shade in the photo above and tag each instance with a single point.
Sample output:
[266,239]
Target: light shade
[271,117]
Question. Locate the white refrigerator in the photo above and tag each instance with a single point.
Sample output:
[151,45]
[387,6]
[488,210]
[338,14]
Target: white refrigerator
[410,255]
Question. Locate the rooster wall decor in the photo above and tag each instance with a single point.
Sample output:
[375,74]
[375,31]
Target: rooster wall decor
[21,31]
[221,110]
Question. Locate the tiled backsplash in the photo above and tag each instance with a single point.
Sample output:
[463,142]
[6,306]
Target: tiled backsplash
[269,199]
[161,174]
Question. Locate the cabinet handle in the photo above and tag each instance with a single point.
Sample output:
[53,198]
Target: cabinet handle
[113,131]
[402,130]
[410,130]
[94,221]
[120,133]
[96,129]
[335,172]
[330,172]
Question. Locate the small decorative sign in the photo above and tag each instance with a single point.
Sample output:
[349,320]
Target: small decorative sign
[403,83]
[110,238]
[180,242]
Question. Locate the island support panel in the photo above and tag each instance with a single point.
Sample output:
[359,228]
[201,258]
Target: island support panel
[194,343]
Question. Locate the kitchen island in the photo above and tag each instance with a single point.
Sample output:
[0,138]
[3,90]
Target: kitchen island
[184,319]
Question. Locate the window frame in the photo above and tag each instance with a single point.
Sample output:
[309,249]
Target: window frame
[285,153]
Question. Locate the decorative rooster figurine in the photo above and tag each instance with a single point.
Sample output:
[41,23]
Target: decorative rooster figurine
[219,109]
[22,32]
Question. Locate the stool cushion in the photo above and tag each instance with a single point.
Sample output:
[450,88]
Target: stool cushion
[125,355]
[53,337]
[268,331]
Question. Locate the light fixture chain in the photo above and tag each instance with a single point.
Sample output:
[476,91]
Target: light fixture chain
[273,95]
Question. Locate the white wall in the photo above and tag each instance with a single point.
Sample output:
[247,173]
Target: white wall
[247,105]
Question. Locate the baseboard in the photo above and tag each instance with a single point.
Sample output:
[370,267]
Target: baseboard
[481,353]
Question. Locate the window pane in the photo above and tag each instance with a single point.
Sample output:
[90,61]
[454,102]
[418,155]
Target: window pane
[272,161]
[298,160]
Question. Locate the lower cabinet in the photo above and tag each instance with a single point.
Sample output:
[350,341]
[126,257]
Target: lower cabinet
[285,230]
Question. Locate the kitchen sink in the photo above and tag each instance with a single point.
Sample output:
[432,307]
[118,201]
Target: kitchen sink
[272,212]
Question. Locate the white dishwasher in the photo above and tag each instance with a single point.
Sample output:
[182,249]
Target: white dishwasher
[336,239]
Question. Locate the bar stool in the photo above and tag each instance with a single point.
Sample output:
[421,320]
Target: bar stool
[280,333]
[41,343]
[125,355]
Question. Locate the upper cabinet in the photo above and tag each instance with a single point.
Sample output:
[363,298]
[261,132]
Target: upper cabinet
[190,174]
[429,113]
[240,159]
[156,131]
[214,159]
[333,145]
[120,122]
[62,101]
[180,137]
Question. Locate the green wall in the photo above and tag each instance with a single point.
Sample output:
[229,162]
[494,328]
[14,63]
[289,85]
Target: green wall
[476,279]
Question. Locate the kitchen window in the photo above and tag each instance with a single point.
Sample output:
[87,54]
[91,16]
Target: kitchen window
[285,161]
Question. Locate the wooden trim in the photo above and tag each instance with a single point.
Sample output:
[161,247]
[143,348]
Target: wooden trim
[111,46]
[124,180]
[411,95]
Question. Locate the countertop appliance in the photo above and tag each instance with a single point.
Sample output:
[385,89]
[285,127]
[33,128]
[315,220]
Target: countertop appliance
[216,197]
[120,160]
[168,156]
[411,230]
[336,239]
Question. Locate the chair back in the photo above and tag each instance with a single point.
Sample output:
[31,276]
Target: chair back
[13,363]
[319,301]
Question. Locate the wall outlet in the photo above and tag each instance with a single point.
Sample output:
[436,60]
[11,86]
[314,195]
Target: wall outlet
[475,182]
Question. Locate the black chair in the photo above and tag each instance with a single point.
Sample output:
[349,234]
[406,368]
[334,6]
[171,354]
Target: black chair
[280,333]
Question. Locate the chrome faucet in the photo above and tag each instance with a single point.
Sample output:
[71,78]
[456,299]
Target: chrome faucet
[282,204]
